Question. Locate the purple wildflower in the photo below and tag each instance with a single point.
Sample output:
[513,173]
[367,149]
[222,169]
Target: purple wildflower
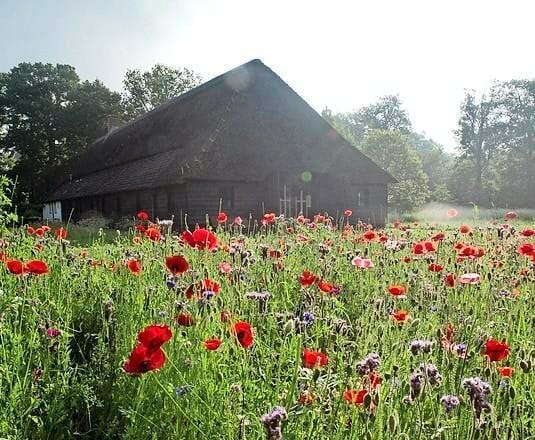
[420,345]
[273,422]
[478,391]
[369,364]
[450,402]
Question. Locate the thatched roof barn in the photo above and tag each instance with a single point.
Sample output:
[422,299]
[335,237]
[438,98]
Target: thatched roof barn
[243,142]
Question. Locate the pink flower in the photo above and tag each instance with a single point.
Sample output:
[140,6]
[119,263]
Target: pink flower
[238,221]
[52,332]
[224,267]
[364,263]
[470,278]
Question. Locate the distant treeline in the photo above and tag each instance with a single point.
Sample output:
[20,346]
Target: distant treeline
[494,164]
[48,117]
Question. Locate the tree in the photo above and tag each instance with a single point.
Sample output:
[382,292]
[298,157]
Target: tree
[49,117]
[480,136]
[386,114]
[347,124]
[392,152]
[436,164]
[144,91]
[516,161]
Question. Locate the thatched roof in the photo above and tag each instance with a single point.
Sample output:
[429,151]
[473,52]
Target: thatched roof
[241,125]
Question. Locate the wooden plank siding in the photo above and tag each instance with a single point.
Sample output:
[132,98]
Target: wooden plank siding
[191,202]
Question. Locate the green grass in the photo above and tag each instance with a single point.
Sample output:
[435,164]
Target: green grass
[73,386]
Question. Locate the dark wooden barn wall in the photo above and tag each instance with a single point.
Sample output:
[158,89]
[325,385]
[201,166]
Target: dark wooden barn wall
[237,199]
[200,198]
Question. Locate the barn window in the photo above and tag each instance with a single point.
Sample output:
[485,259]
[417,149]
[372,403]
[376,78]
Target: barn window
[226,196]
[363,197]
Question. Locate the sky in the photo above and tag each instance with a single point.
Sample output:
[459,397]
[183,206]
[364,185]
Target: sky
[336,54]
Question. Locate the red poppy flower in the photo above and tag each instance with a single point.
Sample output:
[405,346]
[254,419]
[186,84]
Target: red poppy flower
[449,279]
[15,267]
[200,239]
[452,212]
[407,259]
[185,320]
[307,278]
[511,215]
[61,233]
[370,235]
[153,234]
[273,253]
[325,286]
[134,266]
[348,213]
[154,336]
[39,232]
[526,249]
[176,264]
[355,397]
[506,371]
[429,246]
[397,290]
[418,248]
[141,228]
[192,289]
[142,215]
[314,359]
[434,267]
[46,228]
[212,344]
[269,218]
[465,229]
[527,232]
[222,218]
[142,360]
[210,285]
[318,218]
[36,267]
[496,350]
[439,236]
[30,230]
[244,334]
[375,379]
[400,316]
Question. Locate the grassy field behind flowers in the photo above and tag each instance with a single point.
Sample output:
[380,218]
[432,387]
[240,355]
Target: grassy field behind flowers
[355,333]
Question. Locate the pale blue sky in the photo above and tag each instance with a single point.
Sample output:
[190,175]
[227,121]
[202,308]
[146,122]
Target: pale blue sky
[341,54]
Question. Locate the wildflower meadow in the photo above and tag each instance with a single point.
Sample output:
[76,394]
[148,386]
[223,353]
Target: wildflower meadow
[272,328]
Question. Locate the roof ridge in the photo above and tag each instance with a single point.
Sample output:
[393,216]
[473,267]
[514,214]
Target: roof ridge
[182,96]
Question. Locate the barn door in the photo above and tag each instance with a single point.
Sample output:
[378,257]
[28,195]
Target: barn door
[294,201]
[285,201]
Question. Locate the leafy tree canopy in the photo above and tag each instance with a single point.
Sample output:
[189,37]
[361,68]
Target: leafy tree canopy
[144,91]
[48,118]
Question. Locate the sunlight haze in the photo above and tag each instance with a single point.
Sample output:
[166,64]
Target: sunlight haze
[335,54]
